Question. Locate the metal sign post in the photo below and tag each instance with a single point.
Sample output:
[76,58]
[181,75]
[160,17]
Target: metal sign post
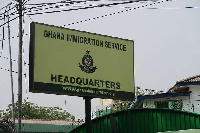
[20,66]
[88,120]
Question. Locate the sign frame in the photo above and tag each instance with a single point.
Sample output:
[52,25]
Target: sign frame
[50,88]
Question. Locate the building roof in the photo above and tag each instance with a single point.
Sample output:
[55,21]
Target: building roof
[138,100]
[163,95]
[179,89]
[180,85]
[192,79]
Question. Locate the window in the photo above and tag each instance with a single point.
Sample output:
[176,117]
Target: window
[176,104]
[162,104]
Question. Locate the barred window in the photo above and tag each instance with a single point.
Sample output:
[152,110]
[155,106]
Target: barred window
[162,104]
[176,104]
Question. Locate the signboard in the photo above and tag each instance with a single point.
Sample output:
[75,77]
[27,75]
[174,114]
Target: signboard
[71,62]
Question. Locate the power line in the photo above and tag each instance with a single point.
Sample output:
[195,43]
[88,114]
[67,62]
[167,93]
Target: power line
[101,5]
[49,7]
[1,14]
[13,18]
[117,13]
[85,8]
[9,21]
[1,68]
[5,69]
[15,11]
[10,38]
[8,58]
[57,11]
[130,9]
[6,6]
[57,3]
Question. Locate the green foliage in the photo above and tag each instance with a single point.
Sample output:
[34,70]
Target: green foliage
[124,105]
[121,105]
[33,111]
[142,92]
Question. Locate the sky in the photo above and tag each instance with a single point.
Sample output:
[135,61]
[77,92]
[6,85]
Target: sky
[166,45]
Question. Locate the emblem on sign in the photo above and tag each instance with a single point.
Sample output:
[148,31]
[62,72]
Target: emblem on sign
[87,63]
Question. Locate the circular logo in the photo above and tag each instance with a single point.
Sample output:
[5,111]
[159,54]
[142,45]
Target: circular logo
[87,63]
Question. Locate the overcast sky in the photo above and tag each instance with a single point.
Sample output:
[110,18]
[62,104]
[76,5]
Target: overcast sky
[166,44]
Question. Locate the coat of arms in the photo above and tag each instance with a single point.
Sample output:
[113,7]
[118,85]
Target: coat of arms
[87,63]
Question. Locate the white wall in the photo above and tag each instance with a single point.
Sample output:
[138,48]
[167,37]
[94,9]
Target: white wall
[194,97]
[190,103]
[148,104]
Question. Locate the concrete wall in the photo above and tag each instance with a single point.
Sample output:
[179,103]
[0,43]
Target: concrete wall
[193,104]
[189,103]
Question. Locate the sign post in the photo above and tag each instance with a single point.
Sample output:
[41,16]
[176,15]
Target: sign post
[88,121]
[70,62]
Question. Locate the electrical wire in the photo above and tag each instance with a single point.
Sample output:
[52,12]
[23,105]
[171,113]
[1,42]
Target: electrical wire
[1,68]
[8,10]
[15,12]
[9,21]
[91,19]
[55,4]
[81,8]
[101,5]
[6,6]
[13,60]
[67,10]
[44,4]
[8,58]
[130,9]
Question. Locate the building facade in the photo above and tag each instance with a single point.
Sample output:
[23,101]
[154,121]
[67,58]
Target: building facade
[184,95]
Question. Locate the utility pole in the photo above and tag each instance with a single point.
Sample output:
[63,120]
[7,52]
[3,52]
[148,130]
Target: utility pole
[20,66]
[11,76]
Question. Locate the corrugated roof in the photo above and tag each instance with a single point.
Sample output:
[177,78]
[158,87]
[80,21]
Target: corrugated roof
[163,95]
[139,99]
[192,79]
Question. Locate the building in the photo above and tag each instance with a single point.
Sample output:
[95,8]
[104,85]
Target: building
[184,95]
[104,108]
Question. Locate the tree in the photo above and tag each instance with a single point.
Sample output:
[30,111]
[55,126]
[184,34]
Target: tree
[33,111]
[123,105]
[142,92]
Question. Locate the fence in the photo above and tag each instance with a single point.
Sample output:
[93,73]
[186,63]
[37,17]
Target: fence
[39,128]
[144,121]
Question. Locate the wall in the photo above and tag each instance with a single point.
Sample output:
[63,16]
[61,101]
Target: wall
[189,103]
[194,101]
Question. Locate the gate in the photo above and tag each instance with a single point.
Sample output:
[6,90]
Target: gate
[144,121]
